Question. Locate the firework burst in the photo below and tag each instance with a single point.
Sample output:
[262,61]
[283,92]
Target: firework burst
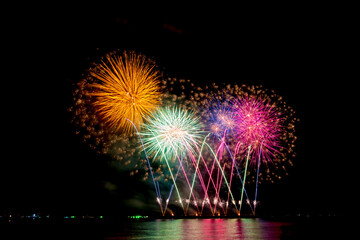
[251,129]
[171,131]
[125,87]
[258,117]
[266,124]
[220,114]
[259,125]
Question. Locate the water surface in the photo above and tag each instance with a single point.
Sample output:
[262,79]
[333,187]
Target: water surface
[251,228]
[213,228]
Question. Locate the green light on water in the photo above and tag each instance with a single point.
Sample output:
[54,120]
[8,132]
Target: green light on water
[137,216]
[72,217]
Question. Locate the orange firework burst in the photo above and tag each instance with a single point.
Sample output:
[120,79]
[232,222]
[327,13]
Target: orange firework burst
[126,87]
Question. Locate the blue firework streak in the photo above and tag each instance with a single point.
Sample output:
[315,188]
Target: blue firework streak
[219,114]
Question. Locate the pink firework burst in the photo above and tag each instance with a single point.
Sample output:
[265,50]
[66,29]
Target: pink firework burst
[260,127]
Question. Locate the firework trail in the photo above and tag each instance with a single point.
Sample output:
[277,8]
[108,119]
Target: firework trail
[172,177]
[243,186]
[223,174]
[172,131]
[261,130]
[241,181]
[220,122]
[156,185]
[257,122]
[256,117]
[217,110]
[257,178]
[172,186]
[196,170]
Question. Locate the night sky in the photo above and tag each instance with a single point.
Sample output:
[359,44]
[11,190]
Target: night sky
[46,167]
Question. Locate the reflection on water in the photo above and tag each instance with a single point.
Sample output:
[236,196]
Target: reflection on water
[251,228]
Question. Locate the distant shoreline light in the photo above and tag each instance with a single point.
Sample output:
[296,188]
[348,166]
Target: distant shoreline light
[137,216]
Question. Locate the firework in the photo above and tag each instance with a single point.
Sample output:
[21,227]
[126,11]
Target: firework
[264,130]
[174,130]
[259,125]
[92,129]
[125,87]
[219,114]
[91,96]
[216,105]
[267,124]
[183,131]
[258,117]
[171,132]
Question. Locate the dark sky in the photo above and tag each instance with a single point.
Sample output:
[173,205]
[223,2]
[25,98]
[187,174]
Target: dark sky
[298,54]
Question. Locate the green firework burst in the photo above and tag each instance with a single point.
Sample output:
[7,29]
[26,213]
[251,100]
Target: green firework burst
[172,132]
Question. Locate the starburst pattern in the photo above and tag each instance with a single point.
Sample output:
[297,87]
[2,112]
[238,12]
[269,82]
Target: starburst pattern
[171,131]
[127,87]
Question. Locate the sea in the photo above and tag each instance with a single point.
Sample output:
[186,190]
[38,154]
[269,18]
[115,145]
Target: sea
[176,229]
